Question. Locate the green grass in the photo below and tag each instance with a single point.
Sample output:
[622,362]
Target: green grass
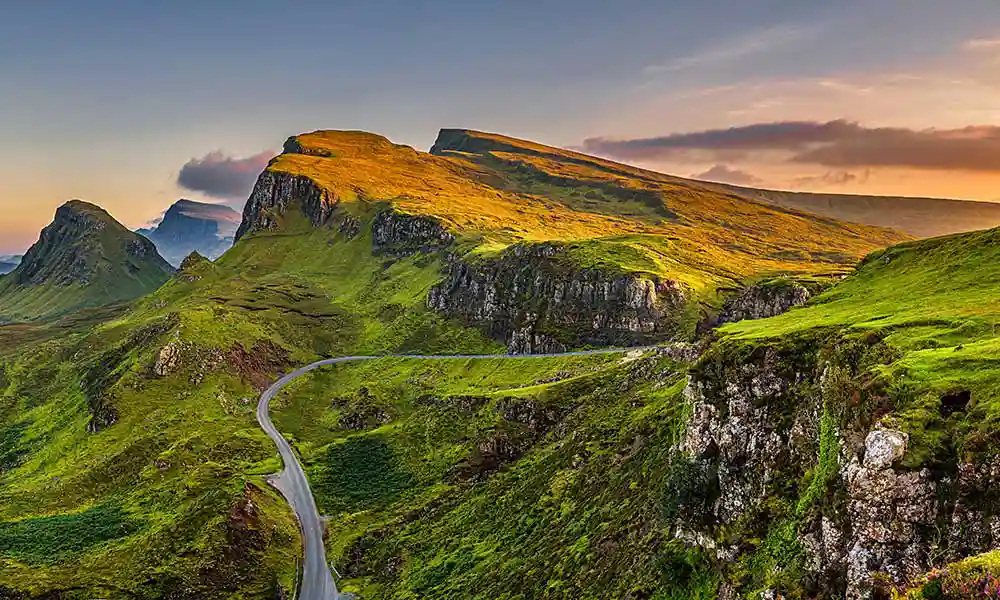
[595,438]
[52,539]
[936,302]
[83,259]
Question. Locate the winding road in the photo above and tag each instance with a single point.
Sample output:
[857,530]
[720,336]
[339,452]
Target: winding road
[317,581]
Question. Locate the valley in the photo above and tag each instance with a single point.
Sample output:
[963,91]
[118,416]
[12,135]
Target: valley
[807,410]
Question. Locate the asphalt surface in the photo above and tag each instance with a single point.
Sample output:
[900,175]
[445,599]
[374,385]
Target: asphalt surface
[317,581]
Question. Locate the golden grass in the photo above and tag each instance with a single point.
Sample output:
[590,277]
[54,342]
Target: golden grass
[509,190]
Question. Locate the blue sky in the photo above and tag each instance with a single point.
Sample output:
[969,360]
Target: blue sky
[107,100]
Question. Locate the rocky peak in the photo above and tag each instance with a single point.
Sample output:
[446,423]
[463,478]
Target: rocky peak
[83,242]
[189,226]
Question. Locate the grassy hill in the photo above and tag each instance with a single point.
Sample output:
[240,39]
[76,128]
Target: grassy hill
[84,258]
[919,217]
[131,465]
[496,191]
[499,197]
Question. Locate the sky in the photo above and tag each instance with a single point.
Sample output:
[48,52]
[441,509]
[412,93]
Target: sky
[132,105]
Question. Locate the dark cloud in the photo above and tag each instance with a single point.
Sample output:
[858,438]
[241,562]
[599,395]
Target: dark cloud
[832,178]
[725,174]
[222,176]
[839,143]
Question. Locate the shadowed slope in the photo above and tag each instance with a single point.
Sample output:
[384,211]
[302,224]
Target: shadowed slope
[84,258]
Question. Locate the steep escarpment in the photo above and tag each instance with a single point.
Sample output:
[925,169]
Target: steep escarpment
[544,248]
[813,495]
[272,195]
[767,298]
[83,258]
[533,299]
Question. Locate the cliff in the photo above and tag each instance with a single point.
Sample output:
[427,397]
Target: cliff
[545,248]
[533,299]
[793,446]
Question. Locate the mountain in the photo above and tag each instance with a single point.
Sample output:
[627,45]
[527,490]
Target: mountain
[84,258]
[189,226]
[919,217]
[9,263]
[556,236]
[834,437]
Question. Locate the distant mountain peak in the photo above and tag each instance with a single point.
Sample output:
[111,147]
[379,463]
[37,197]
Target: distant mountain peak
[189,226]
[86,250]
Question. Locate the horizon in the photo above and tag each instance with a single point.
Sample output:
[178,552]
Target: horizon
[764,95]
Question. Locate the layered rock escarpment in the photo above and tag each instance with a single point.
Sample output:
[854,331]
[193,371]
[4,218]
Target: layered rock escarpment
[275,192]
[793,466]
[763,300]
[531,298]
[534,300]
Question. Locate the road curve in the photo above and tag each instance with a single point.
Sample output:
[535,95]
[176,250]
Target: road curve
[317,581]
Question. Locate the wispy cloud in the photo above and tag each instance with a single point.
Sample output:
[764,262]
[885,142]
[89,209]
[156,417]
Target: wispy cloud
[838,143]
[833,179]
[981,44]
[726,174]
[758,42]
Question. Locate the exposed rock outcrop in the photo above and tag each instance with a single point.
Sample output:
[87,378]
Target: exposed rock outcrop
[275,192]
[535,302]
[763,300]
[783,448]
[400,234]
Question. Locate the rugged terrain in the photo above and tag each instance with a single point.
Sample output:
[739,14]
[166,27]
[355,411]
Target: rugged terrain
[546,249]
[84,258]
[189,226]
[804,429]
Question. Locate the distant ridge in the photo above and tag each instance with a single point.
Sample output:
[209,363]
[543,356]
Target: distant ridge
[919,217]
[84,258]
[189,226]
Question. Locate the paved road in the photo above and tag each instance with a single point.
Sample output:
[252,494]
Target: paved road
[317,580]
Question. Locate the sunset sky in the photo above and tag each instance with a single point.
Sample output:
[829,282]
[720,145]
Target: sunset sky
[132,105]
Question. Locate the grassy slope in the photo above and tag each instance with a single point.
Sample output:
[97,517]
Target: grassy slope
[162,488]
[163,481]
[99,254]
[937,299]
[416,511]
[509,190]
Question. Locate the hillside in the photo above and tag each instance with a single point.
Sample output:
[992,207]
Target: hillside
[846,448]
[84,258]
[550,226]
[919,217]
[724,464]
[189,226]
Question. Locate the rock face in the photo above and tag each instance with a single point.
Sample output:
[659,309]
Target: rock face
[400,234]
[189,226]
[763,300]
[534,302]
[275,192]
[783,448]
